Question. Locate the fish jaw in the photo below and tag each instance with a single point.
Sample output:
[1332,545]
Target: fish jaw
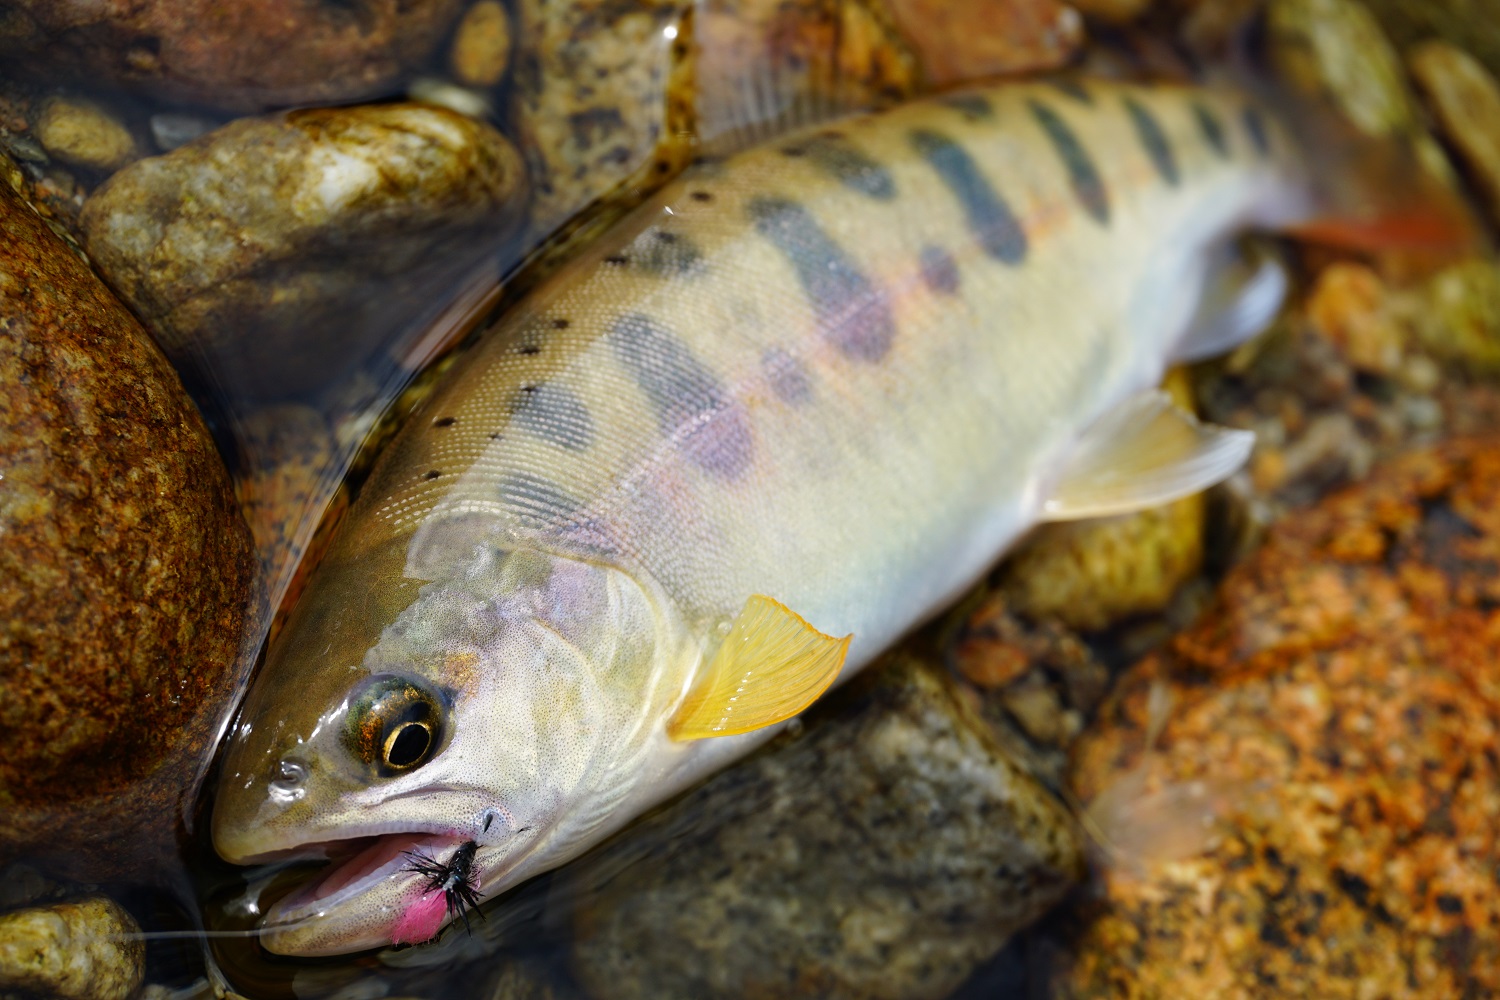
[371,900]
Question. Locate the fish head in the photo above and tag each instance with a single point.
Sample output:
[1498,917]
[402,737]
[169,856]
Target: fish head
[492,700]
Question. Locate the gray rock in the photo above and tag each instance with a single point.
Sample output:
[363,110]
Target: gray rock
[72,949]
[283,251]
[886,850]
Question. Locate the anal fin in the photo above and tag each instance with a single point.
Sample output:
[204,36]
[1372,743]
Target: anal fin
[771,666]
[1144,453]
[1242,297]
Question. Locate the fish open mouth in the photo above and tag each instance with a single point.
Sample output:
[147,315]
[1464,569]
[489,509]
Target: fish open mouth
[356,867]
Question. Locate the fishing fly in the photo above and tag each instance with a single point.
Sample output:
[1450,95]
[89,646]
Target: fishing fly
[455,879]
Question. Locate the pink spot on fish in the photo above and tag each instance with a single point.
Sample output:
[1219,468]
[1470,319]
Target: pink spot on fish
[422,919]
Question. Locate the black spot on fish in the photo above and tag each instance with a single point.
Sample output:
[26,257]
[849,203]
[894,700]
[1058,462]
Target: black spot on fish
[1212,129]
[617,260]
[444,421]
[528,349]
[666,254]
[536,501]
[939,270]
[851,311]
[701,196]
[1255,127]
[1073,89]
[989,218]
[561,323]
[432,474]
[835,155]
[554,413]
[1154,140]
[975,107]
[1088,186]
[689,401]
[788,377]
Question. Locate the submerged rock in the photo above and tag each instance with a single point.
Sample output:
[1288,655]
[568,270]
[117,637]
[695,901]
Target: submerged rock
[1470,23]
[602,97]
[72,951]
[1465,99]
[481,46]
[82,133]
[244,55]
[1337,717]
[125,569]
[885,851]
[283,252]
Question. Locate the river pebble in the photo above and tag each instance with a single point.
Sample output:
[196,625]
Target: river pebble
[971,40]
[82,133]
[283,252]
[1465,100]
[243,55]
[885,851]
[481,47]
[67,951]
[125,570]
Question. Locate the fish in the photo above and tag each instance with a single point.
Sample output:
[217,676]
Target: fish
[798,401]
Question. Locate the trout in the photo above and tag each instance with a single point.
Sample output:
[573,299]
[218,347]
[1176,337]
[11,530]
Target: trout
[793,405]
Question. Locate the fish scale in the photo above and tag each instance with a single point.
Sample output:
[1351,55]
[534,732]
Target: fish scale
[809,390]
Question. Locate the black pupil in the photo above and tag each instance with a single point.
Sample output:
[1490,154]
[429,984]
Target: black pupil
[409,745]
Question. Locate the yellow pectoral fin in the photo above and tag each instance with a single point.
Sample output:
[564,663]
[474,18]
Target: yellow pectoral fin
[772,665]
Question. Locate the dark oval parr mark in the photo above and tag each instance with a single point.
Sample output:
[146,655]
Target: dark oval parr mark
[988,217]
[1212,129]
[1088,185]
[852,312]
[1154,141]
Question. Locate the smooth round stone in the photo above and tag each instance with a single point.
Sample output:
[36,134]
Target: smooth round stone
[74,950]
[481,46]
[82,133]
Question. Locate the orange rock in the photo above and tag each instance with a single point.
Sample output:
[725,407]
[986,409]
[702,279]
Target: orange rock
[1346,688]
[959,40]
[1347,306]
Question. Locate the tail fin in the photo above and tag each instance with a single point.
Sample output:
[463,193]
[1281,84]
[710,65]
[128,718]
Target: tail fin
[1375,179]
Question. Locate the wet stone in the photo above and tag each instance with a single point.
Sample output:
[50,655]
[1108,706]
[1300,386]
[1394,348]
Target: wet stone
[481,46]
[1349,305]
[1339,704]
[885,850]
[125,570]
[1468,23]
[65,952]
[244,55]
[82,133]
[1465,99]
[307,236]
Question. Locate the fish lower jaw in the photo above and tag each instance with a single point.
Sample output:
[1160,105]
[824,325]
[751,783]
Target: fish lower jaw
[372,875]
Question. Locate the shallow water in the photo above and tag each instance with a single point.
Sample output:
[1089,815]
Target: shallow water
[299,423]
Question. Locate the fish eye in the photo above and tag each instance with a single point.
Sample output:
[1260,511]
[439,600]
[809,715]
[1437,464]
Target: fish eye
[395,725]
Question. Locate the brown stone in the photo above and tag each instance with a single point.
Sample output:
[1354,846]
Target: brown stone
[1348,306]
[125,568]
[285,251]
[481,45]
[975,39]
[75,950]
[244,55]
[1465,99]
[1337,716]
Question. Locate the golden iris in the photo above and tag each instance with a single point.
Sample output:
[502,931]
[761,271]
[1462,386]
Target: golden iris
[395,725]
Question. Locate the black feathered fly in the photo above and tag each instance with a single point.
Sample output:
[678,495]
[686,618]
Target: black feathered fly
[455,878]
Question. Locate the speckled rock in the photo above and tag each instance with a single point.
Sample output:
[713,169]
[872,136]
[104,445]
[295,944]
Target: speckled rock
[1465,100]
[125,568]
[285,251]
[480,52]
[976,39]
[602,98]
[82,133]
[1456,315]
[1350,305]
[1091,574]
[883,852]
[245,55]
[1343,703]
[66,951]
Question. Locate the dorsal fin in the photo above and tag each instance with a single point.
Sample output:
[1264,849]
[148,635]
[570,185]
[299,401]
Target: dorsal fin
[771,666]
